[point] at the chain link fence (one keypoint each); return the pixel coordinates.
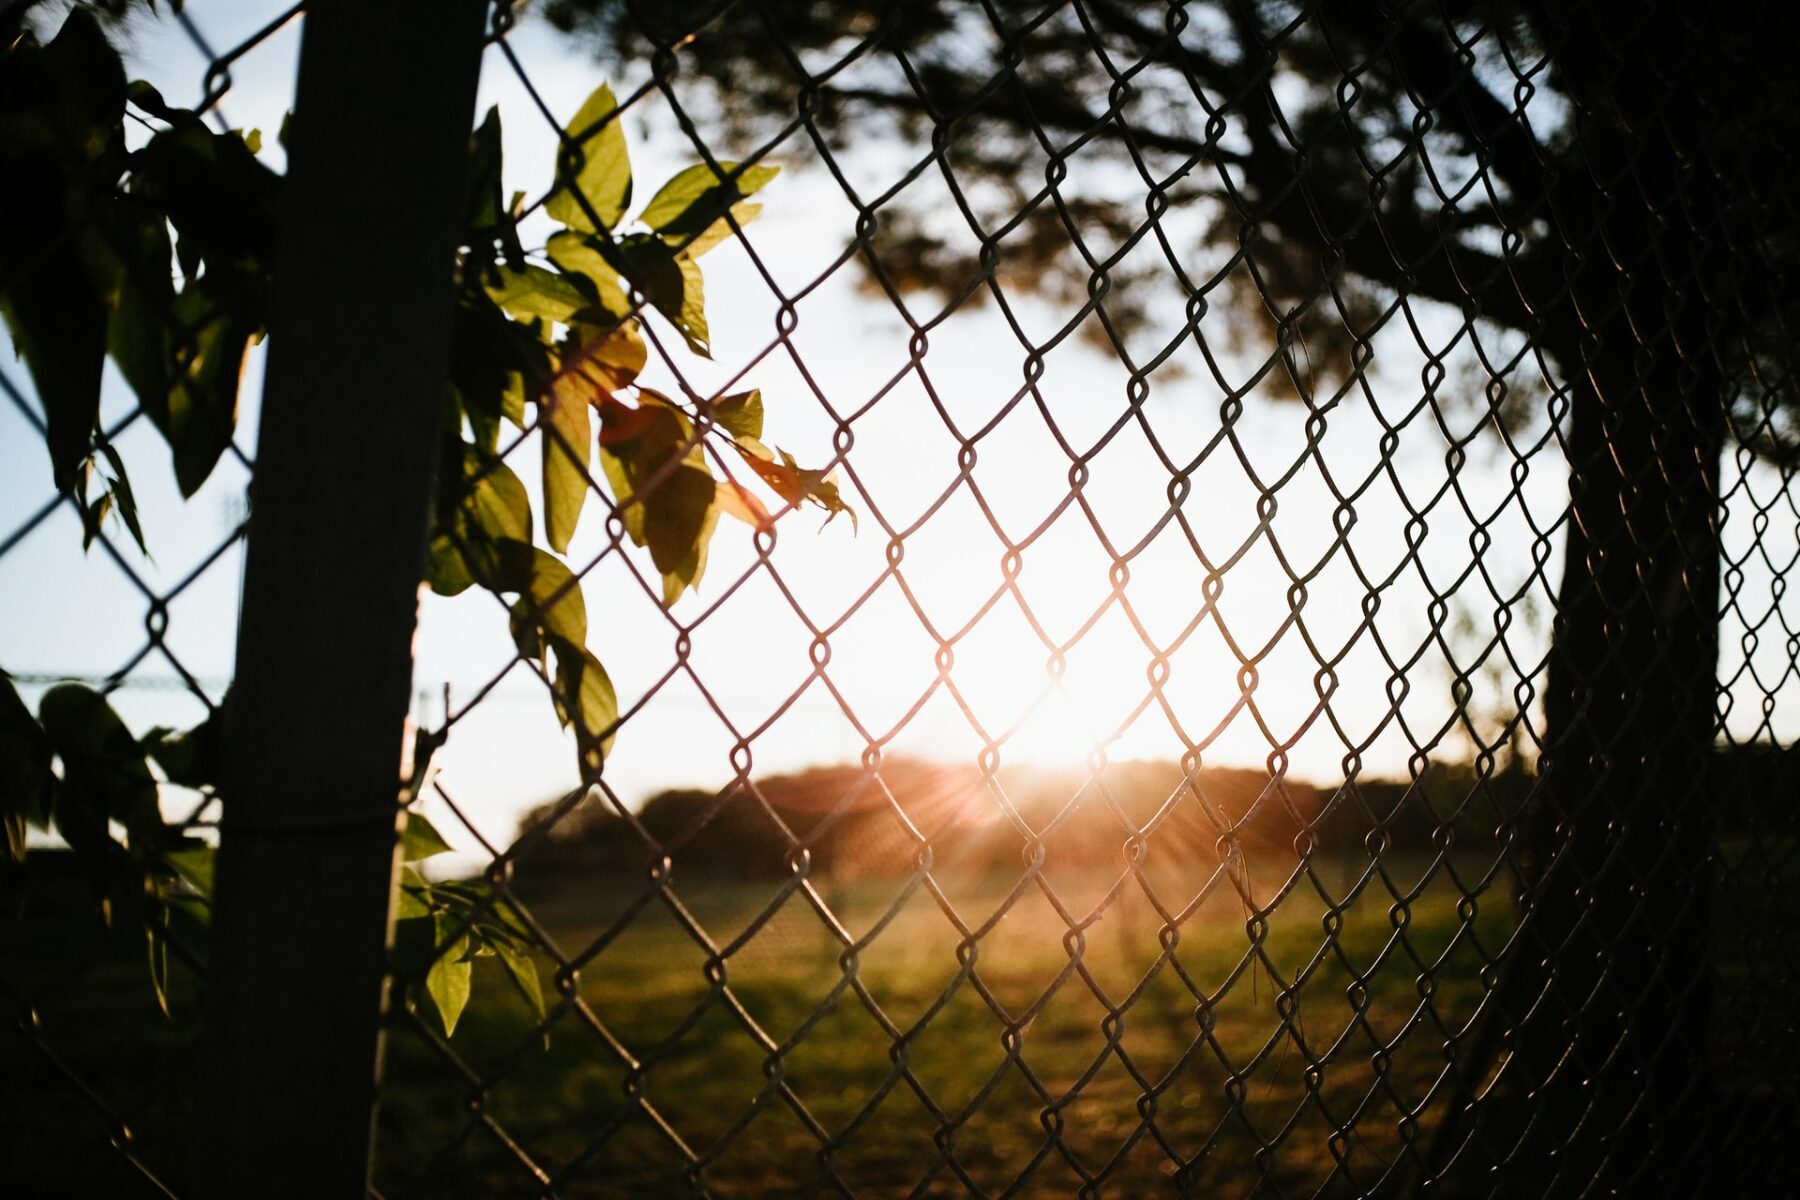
(1292, 693)
(119, 597)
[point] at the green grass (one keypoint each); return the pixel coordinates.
(1229, 1077)
(77, 991)
(1232, 1100)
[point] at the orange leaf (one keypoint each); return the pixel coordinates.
(620, 422)
(742, 503)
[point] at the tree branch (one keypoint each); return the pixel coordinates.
(1443, 81)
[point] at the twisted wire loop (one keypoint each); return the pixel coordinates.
(1440, 846)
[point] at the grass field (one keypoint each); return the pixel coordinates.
(1001, 1081)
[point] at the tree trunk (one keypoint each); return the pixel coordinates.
(1610, 1008)
(1606, 1012)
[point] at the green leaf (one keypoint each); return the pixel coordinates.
(195, 865)
(580, 254)
(670, 508)
(690, 203)
(688, 572)
(193, 758)
(472, 891)
(586, 702)
(119, 488)
(414, 900)
(635, 444)
(27, 785)
(93, 516)
(447, 982)
(490, 218)
(138, 332)
(567, 434)
(61, 155)
(519, 965)
(550, 595)
(690, 316)
(677, 509)
(671, 283)
(200, 412)
(483, 504)
(510, 927)
(446, 571)
(498, 505)
(535, 292)
(742, 213)
(610, 356)
(593, 158)
(495, 362)
(421, 839)
(219, 196)
(115, 496)
(89, 79)
(88, 263)
(58, 326)
(144, 95)
(486, 208)
(103, 766)
(740, 414)
(512, 401)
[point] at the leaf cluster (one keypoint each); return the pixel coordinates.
(158, 257)
(444, 927)
(104, 803)
(158, 253)
(554, 342)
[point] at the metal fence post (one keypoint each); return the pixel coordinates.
(350, 427)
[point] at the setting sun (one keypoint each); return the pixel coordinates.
(923, 598)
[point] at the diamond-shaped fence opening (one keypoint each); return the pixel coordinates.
(1090, 599)
(120, 554)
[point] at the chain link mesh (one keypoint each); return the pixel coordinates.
(1188, 978)
(1239, 787)
(93, 1064)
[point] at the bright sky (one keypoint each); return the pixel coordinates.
(66, 613)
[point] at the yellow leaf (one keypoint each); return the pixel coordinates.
(567, 433)
(597, 139)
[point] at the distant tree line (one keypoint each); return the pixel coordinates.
(756, 831)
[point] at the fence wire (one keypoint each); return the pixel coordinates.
(99, 1084)
(1321, 992)
(1310, 682)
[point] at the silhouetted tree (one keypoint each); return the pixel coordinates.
(1609, 180)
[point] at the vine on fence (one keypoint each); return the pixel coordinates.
(158, 253)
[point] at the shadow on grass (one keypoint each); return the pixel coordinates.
(1034, 1061)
